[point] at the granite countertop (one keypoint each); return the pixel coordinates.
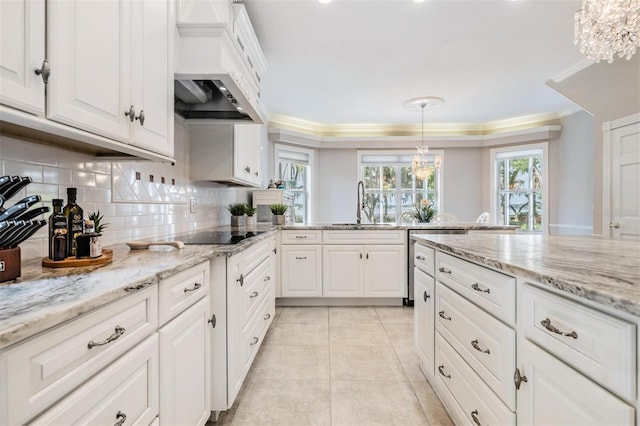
(602, 270)
(382, 226)
(42, 297)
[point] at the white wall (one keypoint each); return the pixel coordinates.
(463, 183)
(571, 178)
(337, 181)
(150, 209)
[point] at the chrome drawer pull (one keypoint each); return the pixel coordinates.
(420, 257)
(426, 296)
(121, 417)
(255, 340)
(474, 416)
(443, 316)
(301, 237)
(546, 323)
(266, 317)
(445, 270)
(301, 257)
(476, 287)
(441, 370)
(254, 294)
(267, 278)
(518, 379)
(475, 345)
(119, 331)
(194, 288)
(241, 280)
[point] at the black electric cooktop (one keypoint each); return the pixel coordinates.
(217, 237)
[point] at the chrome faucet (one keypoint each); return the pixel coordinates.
(360, 202)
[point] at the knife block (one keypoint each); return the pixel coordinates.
(9, 264)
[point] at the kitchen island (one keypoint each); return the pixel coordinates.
(529, 329)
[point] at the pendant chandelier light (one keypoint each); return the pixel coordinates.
(420, 166)
(604, 28)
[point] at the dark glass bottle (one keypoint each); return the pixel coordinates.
(57, 232)
(75, 222)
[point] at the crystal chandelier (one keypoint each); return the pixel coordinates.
(420, 166)
(605, 28)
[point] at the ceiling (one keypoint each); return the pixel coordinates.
(358, 61)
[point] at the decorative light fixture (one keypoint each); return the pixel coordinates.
(605, 28)
(420, 166)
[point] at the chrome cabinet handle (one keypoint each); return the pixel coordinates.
(241, 280)
(266, 317)
(425, 296)
(194, 288)
(441, 371)
(247, 169)
(256, 173)
(518, 379)
(140, 117)
(212, 321)
(275, 250)
(367, 256)
(445, 270)
(615, 225)
(267, 278)
(119, 331)
(474, 416)
(254, 294)
(131, 113)
(44, 71)
(546, 323)
(476, 287)
(255, 340)
(301, 257)
(420, 257)
(443, 316)
(301, 237)
(121, 417)
(477, 347)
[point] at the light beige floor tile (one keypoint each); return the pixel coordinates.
(395, 314)
(303, 315)
(292, 363)
(365, 363)
(435, 412)
(365, 315)
(285, 402)
(355, 335)
(374, 403)
(400, 334)
(304, 334)
(410, 362)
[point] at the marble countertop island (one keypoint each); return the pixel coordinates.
(465, 226)
(602, 270)
(42, 297)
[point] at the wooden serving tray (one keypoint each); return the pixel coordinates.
(72, 262)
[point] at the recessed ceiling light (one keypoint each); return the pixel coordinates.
(224, 89)
(324, 1)
(418, 1)
(239, 108)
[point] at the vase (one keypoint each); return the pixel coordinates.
(277, 219)
(238, 221)
(251, 221)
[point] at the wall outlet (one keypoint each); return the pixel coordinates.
(193, 205)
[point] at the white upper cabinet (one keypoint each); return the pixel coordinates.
(21, 53)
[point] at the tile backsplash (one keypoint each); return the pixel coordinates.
(133, 208)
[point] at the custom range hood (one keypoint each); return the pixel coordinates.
(219, 64)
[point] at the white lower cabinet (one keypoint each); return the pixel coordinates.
(301, 270)
(184, 367)
(555, 394)
(126, 392)
(424, 311)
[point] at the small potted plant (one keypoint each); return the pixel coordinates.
(238, 219)
(95, 242)
(250, 212)
(425, 212)
(278, 211)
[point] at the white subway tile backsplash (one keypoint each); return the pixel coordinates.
(34, 171)
(83, 178)
(56, 175)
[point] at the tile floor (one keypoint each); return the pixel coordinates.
(337, 366)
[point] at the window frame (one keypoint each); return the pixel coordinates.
(494, 181)
(398, 190)
(310, 193)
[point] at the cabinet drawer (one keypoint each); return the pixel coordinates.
(254, 289)
(127, 389)
(389, 236)
(491, 290)
(182, 290)
(488, 345)
(46, 368)
(603, 347)
(255, 254)
(466, 392)
(424, 258)
(253, 333)
(311, 236)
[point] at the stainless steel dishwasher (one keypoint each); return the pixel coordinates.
(410, 255)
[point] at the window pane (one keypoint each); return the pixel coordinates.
(519, 210)
(372, 206)
(501, 171)
(406, 181)
(537, 173)
(388, 178)
(409, 200)
(519, 174)
(371, 177)
(537, 211)
(388, 207)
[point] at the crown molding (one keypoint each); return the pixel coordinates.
(586, 62)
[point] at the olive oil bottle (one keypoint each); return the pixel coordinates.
(57, 232)
(75, 220)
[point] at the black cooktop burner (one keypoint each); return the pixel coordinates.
(217, 237)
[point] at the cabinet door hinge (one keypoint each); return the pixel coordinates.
(212, 321)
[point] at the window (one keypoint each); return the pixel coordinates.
(293, 167)
(390, 187)
(519, 187)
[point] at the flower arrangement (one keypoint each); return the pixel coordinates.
(424, 212)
